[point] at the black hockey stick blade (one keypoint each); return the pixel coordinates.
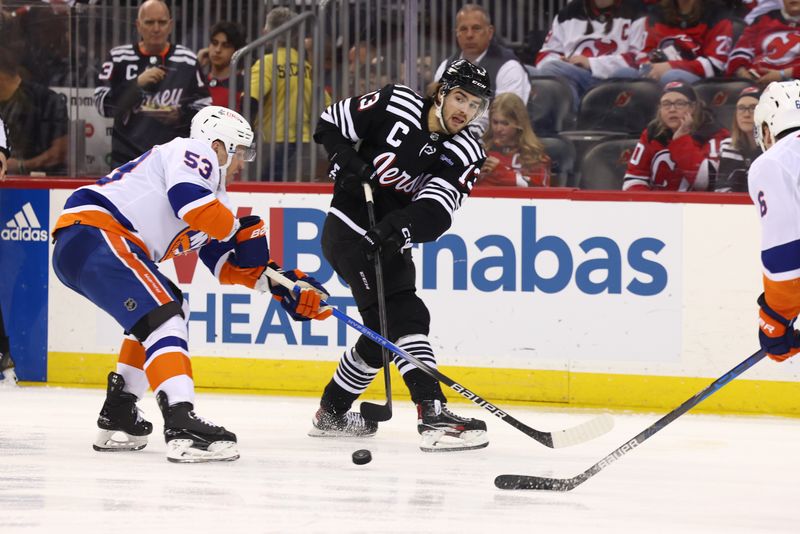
(537, 483)
(566, 484)
(376, 412)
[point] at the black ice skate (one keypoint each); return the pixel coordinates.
(121, 426)
(442, 430)
(347, 425)
(192, 439)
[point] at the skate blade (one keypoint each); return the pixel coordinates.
(9, 379)
(181, 451)
(439, 441)
(117, 440)
(320, 433)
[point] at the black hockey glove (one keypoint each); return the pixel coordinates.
(352, 171)
(390, 235)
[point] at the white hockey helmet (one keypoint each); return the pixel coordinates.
(216, 123)
(779, 108)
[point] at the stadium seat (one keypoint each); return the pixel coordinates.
(604, 166)
(550, 105)
(562, 154)
(720, 94)
(739, 24)
(621, 105)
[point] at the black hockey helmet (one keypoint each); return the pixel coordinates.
(467, 76)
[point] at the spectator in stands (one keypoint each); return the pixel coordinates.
(281, 89)
(152, 88)
(740, 149)
(215, 60)
(756, 8)
(686, 40)
(476, 43)
(767, 51)
(672, 148)
(36, 118)
(592, 40)
(366, 68)
(514, 154)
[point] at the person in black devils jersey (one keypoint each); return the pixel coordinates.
(152, 88)
(422, 163)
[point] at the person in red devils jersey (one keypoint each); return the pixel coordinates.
(226, 38)
(108, 239)
(422, 163)
(686, 40)
(515, 156)
(672, 148)
(590, 41)
(769, 49)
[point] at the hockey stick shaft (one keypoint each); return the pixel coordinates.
(566, 484)
(370, 410)
(562, 438)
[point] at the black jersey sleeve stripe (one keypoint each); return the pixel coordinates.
(408, 106)
(472, 149)
(407, 92)
(455, 149)
(404, 115)
(100, 94)
(442, 192)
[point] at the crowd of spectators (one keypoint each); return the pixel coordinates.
(152, 88)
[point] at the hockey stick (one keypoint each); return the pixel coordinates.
(566, 484)
(561, 438)
(371, 410)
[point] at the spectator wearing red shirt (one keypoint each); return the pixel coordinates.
(686, 40)
(769, 49)
(215, 60)
(672, 148)
(515, 156)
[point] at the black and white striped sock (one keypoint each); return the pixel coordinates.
(353, 374)
(417, 345)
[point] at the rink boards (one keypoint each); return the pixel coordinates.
(604, 299)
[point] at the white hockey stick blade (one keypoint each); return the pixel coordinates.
(583, 432)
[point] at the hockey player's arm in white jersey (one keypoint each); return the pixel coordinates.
(773, 187)
(193, 187)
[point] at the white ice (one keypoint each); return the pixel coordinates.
(700, 474)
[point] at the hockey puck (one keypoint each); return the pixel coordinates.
(362, 456)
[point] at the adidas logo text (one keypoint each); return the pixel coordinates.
(24, 226)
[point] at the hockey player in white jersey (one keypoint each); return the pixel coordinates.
(110, 236)
(773, 182)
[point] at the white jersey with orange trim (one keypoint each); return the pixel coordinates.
(168, 201)
(773, 182)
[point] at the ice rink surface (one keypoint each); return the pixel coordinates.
(700, 474)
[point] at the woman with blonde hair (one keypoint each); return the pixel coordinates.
(515, 155)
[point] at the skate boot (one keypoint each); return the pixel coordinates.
(347, 425)
(7, 375)
(192, 439)
(121, 426)
(442, 430)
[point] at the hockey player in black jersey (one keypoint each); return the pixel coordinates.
(421, 162)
